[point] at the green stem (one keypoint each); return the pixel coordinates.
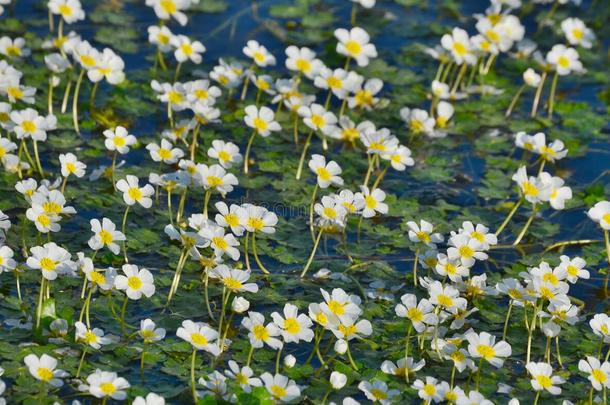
(313, 253)
(248, 148)
(123, 230)
(303, 154)
(79, 81)
(256, 258)
(193, 387)
(82, 361)
(509, 217)
(526, 226)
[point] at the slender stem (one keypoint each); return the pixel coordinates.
(459, 78)
(277, 359)
(246, 254)
(513, 103)
(303, 154)
(79, 81)
(193, 388)
(82, 361)
(379, 178)
(181, 205)
(247, 155)
(510, 308)
(40, 302)
(313, 253)
(225, 298)
(50, 96)
(537, 397)
(64, 102)
(176, 279)
(206, 201)
(538, 94)
(558, 351)
(407, 345)
(113, 170)
(194, 142)
(206, 284)
(415, 262)
(250, 355)
(170, 213)
(63, 185)
(295, 130)
(123, 310)
(509, 217)
(18, 282)
(123, 230)
(37, 157)
(92, 95)
(353, 15)
(526, 226)
(478, 379)
(349, 356)
(311, 204)
(177, 74)
(552, 95)
(369, 170)
(256, 258)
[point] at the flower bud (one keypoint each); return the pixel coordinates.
(289, 361)
(340, 346)
(240, 305)
(338, 380)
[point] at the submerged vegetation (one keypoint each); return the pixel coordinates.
(304, 201)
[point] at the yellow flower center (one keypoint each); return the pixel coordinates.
(97, 278)
(379, 394)
(486, 351)
(44, 220)
(478, 236)
(262, 84)
(493, 35)
(544, 381)
(572, 270)
(577, 34)
(241, 379)
(48, 264)
(232, 283)
(444, 300)
(599, 375)
(450, 268)
(460, 49)
(13, 50)
(563, 62)
(220, 243)
(224, 156)
(174, 97)
(303, 65)
(350, 134)
(108, 388)
(198, 339)
(87, 60)
(330, 213)
(105, 237)
(260, 332)
(292, 326)
(278, 392)
(187, 49)
(44, 374)
(318, 120)
(15, 92)
(168, 6)
(256, 223)
(65, 10)
(165, 153)
(260, 124)
(363, 97)
(466, 251)
(324, 174)
(51, 207)
(321, 318)
(550, 278)
(259, 57)
(334, 83)
(336, 307)
(214, 181)
(28, 126)
(530, 189)
(353, 47)
(135, 193)
(415, 314)
(90, 337)
(423, 236)
(606, 218)
(70, 167)
(134, 282)
(348, 330)
(119, 141)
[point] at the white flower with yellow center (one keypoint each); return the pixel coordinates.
(228, 217)
(350, 328)
(259, 54)
(348, 200)
(532, 188)
(365, 4)
(225, 76)
(136, 282)
(199, 92)
(45, 222)
(106, 384)
(338, 81)
(600, 213)
(572, 269)
(215, 177)
(261, 120)
(172, 94)
(331, 212)
(424, 233)
(559, 193)
(479, 232)
(91, 337)
(227, 153)
(577, 33)
(102, 278)
(13, 48)
(149, 332)
(565, 60)
(459, 45)
(7, 263)
(303, 61)
(318, 118)
(70, 165)
(399, 158)
(44, 369)
(378, 391)
(133, 193)
(453, 269)
(466, 249)
(257, 219)
(429, 390)
(243, 376)
(185, 49)
(166, 9)
(532, 78)
(484, 346)
(371, 201)
(29, 124)
(118, 139)
(327, 173)
(51, 260)
(150, 399)
(341, 305)
(418, 120)
(600, 324)
(495, 34)
(446, 297)
(444, 112)
(261, 334)
(109, 66)
(86, 55)
(70, 10)
(355, 44)
(543, 378)
(222, 243)
(234, 280)
(280, 387)
(402, 366)
(294, 327)
(165, 152)
(200, 335)
(105, 235)
(6, 147)
(378, 141)
(598, 373)
(161, 37)
(419, 314)
(365, 94)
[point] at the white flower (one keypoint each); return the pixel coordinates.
(29, 124)
(239, 305)
(262, 120)
(259, 334)
(479, 232)
(402, 366)
(420, 314)
(106, 384)
(303, 60)
(473, 398)
(399, 158)
(151, 399)
(7, 263)
(364, 94)
(377, 391)
(484, 346)
(136, 282)
(71, 165)
(327, 173)
(257, 219)
(532, 188)
(355, 44)
(338, 303)
(165, 153)
(543, 378)
(119, 140)
(133, 193)
(294, 327)
(289, 361)
(600, 213)
(149, 332)
(259, 54)
(444, 112)
(318, 118)
(187, 49)
(337, 380)
(418, 120)
(280, 387)
(215, 177)
(598, 374)
(339, 81)
(564, 60)
(460, 46)
(109, 66)
(228, 217)
(349, 328)
(165, 9)
(454, 269)
(160, 36)
(44, 369)
(50, 259)
(92, 337)
(600, 324)
(466, 249)
(577, 33)
(233, 279)
(372, 201)
(242, 376)
(105, 234)
(558, 192)
(446, 297)
(572, 269)
(424, 233)
(200, 335)
(13, 48)
(70, 10)
(227, 153)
